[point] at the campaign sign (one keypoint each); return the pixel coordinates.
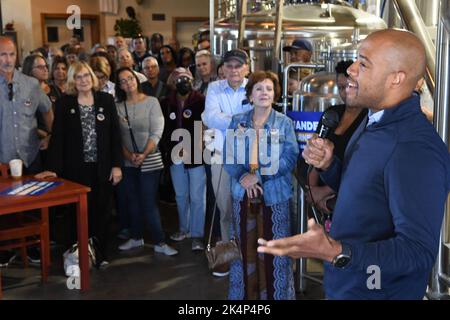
(305, 124)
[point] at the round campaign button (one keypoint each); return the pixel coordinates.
(100, 117)
(172, 116)
(187, 113)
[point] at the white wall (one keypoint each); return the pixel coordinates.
(19, 11)
(171, 8)
(64, 33)
(27, 16)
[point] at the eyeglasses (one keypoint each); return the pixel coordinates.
(126, 80)
(10, 91)
(80, 77)
(42, 67)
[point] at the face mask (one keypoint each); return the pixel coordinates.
(184, 86)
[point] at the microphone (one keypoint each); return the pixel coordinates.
(330, 121)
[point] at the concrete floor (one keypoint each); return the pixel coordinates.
(136, 274)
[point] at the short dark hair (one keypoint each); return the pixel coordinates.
(121, 95)
(259, 76)
(204, 35)
(342, 66)
(57, 60)
(157, 36)
(71, 50)
(181, 54)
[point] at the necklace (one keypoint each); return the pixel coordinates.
(86, 108)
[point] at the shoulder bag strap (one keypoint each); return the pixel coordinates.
(208, 247)
(133, 141)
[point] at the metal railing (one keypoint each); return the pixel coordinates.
(440, 281)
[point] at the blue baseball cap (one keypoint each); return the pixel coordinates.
(299, 44)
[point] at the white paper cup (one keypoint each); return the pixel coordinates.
(16, 166)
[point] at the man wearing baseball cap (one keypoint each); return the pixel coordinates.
(300, 51)
(224, 99)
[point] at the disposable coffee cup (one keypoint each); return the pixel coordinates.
(16, 166)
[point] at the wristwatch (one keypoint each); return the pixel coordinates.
(343, 259)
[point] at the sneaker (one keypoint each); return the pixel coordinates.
(197, 245)
(130, 244)
(166, 249)
(6, 257)
(34, 255)
(179, 236)
(124, 234)
(103, 264)
(221, 271)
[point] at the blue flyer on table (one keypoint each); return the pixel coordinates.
(31, 188)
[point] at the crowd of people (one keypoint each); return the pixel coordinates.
(130, 121)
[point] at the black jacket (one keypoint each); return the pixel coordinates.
(65, 153)
(191, 115)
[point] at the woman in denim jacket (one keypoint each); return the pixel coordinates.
(261, 188)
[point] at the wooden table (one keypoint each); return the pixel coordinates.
(65, 193)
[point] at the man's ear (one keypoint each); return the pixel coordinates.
(397, 79)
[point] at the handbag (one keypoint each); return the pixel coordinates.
(224, 252)
(71, 261)
(154, 160)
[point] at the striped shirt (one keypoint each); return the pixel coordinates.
(147, 122)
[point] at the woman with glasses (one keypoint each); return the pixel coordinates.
(36, 66)
(86, 148)
(141, 127)
(102, 70)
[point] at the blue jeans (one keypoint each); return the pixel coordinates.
(190, 194)
(140, 190)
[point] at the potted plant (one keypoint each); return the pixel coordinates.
(128, 28)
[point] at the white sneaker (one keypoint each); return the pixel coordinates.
(166, 249)
(130, 244)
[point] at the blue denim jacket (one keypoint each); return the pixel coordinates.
(279, 134)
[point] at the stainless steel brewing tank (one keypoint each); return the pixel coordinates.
(329, 26)
(317, 92)
(343, 52)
